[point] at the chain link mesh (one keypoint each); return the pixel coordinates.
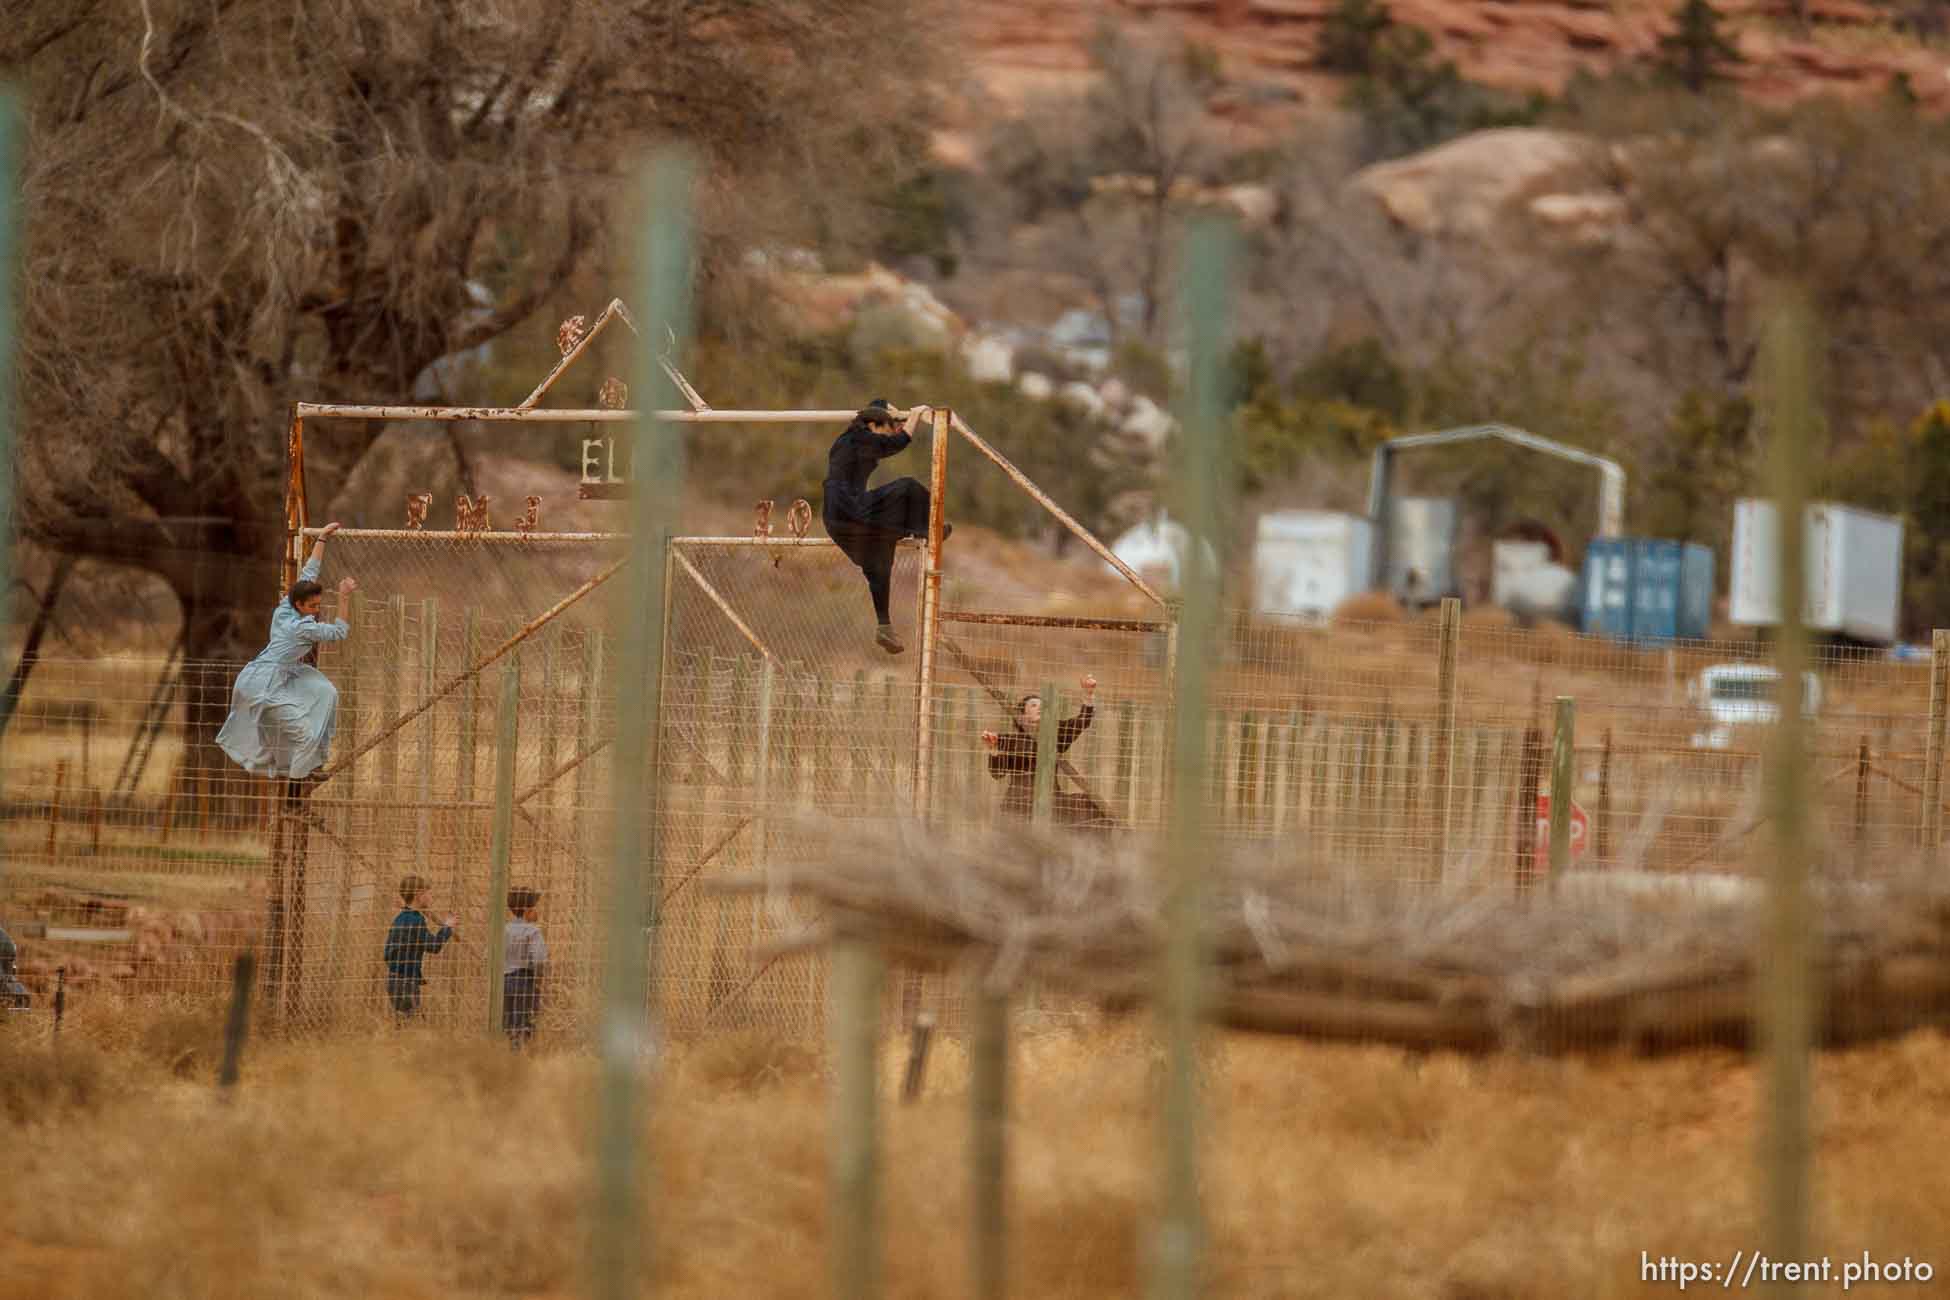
(140, 862)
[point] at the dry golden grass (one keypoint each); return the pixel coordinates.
(411, 1165)
(1369, 607)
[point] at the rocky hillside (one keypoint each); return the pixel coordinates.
(1269, 47)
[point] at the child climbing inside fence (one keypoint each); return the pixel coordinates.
(1013, 756)
(868, 525)
(410, 941)
(282, 709)
(523, 963)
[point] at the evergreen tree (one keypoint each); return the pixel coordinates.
(1926, 543)
(1351, 34)
(1696, 53)
(1697, 469)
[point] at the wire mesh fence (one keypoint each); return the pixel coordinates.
(141, 861)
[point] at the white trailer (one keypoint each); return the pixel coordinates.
(1309, 561)
(1854, 562)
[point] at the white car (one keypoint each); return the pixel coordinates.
(1743, 695)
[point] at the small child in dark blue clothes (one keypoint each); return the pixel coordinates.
(408, 942)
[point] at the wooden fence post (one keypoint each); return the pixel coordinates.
(891, 729)
(824, 772)
(1045, 785)
(1563, 754)
(237, 1024)
(588, 728)
(542, 828)
(920, 1041)
(762, 761)
(857, 738)
(1216, 780)
(937, 762)
(393, 666)
(202, 804)
(352, 696)
(1932, 834)
(470, 708)
(1530, 771)
(1862, 791)
(1601, 832)
(429, 681)
(54, 810)
(467, 745)
(506, 735)
(1442, 754)
(1251, 765)
(1281, 740)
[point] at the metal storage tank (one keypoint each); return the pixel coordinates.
(1648, 590)
(1421, 549)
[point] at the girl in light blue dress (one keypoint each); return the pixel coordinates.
(282, 710)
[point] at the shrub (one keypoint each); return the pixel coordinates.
(39, 1080)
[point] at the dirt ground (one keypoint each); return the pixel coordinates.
(416, 1166)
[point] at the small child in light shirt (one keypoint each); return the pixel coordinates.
(524, 960)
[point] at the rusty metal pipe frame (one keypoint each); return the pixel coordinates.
(538, 415)
(563, 770)
(499, 537)
(931, 616)
(768, 542)
(1079, 624)
(504, 538)
(453, 683)
(574, 354)
(294, 500)
(724, 606)
(1042, 499)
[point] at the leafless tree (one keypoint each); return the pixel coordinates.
(1335, 265)
(1099, 181)
(1719, 205)
(234, 205)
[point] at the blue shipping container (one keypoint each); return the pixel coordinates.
(1645, 590)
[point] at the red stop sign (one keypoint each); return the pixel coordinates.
(1580, 831)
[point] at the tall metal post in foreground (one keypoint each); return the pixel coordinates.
(1786, 990)
(988, 1149)
(1204, 466)
(9, 231)
(855, 973)
(618, 1243)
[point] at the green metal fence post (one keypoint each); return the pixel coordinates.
(1203, 467)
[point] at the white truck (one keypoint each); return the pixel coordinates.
(1854, 562)
(1735, 697)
